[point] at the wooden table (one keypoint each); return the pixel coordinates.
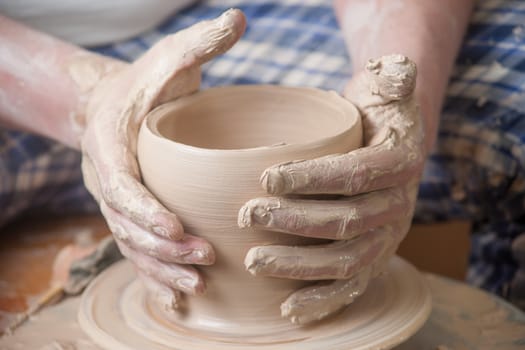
(27, 252)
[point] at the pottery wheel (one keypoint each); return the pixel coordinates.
(115, 313)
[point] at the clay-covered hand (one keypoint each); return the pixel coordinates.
(375, 188)
(146, 232)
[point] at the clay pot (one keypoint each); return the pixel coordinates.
(202, 157)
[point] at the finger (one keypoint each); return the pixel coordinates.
(392, 132)
(170, 68)
(111, 174)
(337, 260)
(331, 219)
(188, 250)
(383, 92)
(166, 297)
(165, 72)
(125, 194)
(207, 39)
(180, 277)
(386, 79)
(367, 169)
(317, 302)
(132, 199)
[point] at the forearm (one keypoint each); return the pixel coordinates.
(427, 31)
(45, 82)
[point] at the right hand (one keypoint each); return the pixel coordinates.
(375, 187)
(146, 232)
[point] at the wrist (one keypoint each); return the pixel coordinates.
(46, 82)
(428, 32)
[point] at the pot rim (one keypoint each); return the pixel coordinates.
(347, 108)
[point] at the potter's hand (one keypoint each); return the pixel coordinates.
(146, 232)
(377, 187)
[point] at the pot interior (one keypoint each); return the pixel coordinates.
(244, 117)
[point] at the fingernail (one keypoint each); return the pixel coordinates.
(244, 218)
(272, 181)
(228, 15)
(175, 233)
(257, 261)
(257, 212)
(263, 215)
(160, 231)
(250, 261)
(201, 257)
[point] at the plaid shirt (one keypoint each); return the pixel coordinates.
(476, 171)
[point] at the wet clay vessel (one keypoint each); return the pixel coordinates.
(202, 156)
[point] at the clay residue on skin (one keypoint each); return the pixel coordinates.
(86, 71)
(341, 219)
(389, 79)
(351, 263)
(376, 184)
(184, 278)
(316, 302)
(342, 259)
(117, 105)
(394, 128)
(257, 208)
(115, 111)
(35, 67)
(393, 76)
(32, 73)
(188, 250)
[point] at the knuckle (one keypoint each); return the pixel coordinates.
(349, 223)
(120, 233)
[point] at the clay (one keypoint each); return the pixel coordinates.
(117, 314)
(462, 318)
(202, 157)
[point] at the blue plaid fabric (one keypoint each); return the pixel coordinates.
(476, 171)
(39, 176)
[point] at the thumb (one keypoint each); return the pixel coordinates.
(386, 79)
(171, 68)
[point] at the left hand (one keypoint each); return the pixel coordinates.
(377, 185)
(146, 232)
